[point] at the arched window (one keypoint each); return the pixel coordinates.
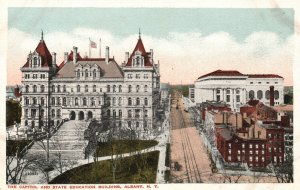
(108, 100)
(42, 101)
(137, 101)
(35, 62)
(129, 124)
(58, 113)
(120, 113)
(120, 88)
(86, 88)
(53, 113)
(251, 94)
(120, 101)
(78, 88)
(108, 88)
(84, 102)
(137, 124)
(42, 112)
(129, 102)
(78, 73)
(26, 88)
(114, 88)
(64, 101)
(86, 73)
(129, 88)
(64, 88)
(114, 101)
(138, 62)
(53, 101)
(76, 101)
(53, 88)
(137, 88)
(42, 88)
(58, 100)
(34, 88)
(259, 94)
(94, 73)
(108, 113)
(114, 114)
(146, 101)
(129, 114)
(146, 88)
(146, 113)
(58, 88)
(94, 88)
(267, 94)
(26, 112)
(92, 101)
(276, 94)
(26, 100)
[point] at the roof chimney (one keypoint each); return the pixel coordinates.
(66, 57)
(126, 57)
(53, 58)
(74, 54)
(107, 55)
(271, 95)
(151, 56)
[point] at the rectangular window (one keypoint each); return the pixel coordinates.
(229, 145)
(250, 152)
(250, 145)
(218, 98)
(256, 145)
(145, 76)
(227, 98)
(270, 150)
(229, 158)
(238, 98)
(256, 152)
(263, 159)
(256, 158)
(250, 158)
(262, 152)
(137, 76)
(229, 151)
(239, 158)
(239, 152)
(251, 82)
(243, 145)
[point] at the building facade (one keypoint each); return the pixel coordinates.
(83, 88)
(236, 88)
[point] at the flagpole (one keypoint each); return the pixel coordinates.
(100, 47)
(89, 48)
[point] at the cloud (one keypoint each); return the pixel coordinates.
(183, 56)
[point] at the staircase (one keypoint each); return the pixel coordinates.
(68, 142)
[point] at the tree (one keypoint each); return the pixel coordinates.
(13, 112)
(284, 171)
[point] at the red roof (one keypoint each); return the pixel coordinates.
(237, 73)
(70, 58)
(43, 51)
(263, 76)
(223, 73)
(140, 47)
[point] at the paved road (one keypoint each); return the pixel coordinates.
(189, 160)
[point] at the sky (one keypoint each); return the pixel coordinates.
(188, 42)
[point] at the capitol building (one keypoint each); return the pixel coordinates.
(85, 88)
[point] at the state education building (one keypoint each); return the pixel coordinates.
(85, 88)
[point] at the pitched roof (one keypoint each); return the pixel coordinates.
(237, 73)
(110, 70)
(140, 47)
(43, 51)
(70, 58)
(263, 76)
(222, 73)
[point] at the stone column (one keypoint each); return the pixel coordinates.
(213, 94)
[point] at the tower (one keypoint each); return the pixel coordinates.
(38, 70)
(141, 79)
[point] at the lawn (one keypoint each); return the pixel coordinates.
(140, 168)
(13, 145)
(123, 146)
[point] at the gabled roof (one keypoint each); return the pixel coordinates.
(140, 47)
(43, 51)
(222, 73)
